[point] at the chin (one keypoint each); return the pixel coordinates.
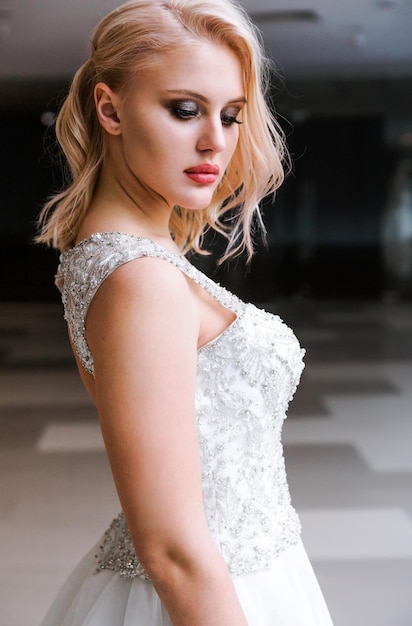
(197, 204)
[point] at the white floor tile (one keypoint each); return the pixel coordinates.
(379, 427)
(349, 472)
(69, 437)
(376, 593)
(357, 534)
(42, 388)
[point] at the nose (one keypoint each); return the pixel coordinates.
(212, 136)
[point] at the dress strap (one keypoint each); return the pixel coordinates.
(83, 269)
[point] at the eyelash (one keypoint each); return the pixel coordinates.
(228, 120)
(186, 114)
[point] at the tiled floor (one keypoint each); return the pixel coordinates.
(348, 447)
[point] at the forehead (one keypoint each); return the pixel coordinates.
(199, 66)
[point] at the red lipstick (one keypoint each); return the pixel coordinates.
(205, 174)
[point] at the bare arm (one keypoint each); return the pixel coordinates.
(142, 328)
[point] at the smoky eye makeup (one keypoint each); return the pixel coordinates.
(230, 116)
(189, 109)
(183, 109)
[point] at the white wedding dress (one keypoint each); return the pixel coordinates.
(245, 380)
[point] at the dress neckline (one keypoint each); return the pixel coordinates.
(104, 233)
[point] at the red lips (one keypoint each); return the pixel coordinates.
(205, 174)
(205, 168)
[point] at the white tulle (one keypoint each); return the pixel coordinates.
(286, 595)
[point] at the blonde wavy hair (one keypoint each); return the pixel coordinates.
(135, 36)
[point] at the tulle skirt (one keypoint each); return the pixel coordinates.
(286, 595)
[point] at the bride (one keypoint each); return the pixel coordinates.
(167, 134)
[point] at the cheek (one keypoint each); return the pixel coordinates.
(146, 147)
(232, 143)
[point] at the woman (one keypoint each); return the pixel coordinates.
(165, 130)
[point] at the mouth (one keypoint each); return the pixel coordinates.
(205, 174)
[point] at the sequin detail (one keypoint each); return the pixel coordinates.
(245, 381)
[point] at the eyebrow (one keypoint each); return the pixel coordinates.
(198, 96)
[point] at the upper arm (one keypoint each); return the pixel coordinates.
(142, 328)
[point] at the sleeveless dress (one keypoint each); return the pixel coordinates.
(245, 379)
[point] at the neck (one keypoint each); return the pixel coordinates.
(121, 203)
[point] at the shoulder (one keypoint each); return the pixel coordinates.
(143, 318)
(147, 279)
(84, 268)
(145, 292)
(115, 273)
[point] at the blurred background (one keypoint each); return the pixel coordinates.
(344, 97)
(337, 266)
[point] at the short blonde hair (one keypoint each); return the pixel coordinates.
(133, 37)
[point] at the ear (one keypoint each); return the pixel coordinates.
(107, 104)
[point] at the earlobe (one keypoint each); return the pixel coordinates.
(107, 102)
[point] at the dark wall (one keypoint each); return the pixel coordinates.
(26, 179)
(323, 231)
(337, 199)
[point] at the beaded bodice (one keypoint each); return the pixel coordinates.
(245, 379)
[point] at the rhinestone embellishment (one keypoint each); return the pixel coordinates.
(246, 378)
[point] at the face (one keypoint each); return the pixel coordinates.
(179, 124)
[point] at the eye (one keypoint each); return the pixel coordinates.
(184, 110)
(228, 120)
(230, 117)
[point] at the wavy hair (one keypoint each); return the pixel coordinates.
(135, 36)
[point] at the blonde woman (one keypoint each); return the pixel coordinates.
(166, 130)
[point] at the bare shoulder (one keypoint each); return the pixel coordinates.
(145, 280)
(148, 297)
(147, 274)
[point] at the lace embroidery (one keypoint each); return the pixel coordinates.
(83, 269)
(245, 381)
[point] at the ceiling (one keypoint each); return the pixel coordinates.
(44, 41)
